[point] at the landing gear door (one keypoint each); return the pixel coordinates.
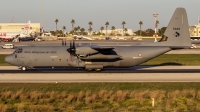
(31, 62)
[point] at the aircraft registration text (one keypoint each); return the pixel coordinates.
(41, 52)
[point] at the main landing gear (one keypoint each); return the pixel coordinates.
(97, 70)
(26, 68)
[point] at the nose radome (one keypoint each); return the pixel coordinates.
(8, 59)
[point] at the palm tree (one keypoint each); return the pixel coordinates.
(112, 28)
(75, 29)
(59, 32)
(141, 23)
(123, 23)
(125, 29)
(102, 28)
(56, 23)
(90, 28)
(72, 22)
(78, 28)
(82, 30)
(64, 28)
(107, 23)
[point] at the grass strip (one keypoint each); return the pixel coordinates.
(2, 62)
(76, 87)
(175, 59)
(100, 97)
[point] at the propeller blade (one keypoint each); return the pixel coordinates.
(65, 42)
(78, 60)
(70, 45)
(62, 43)
(73, 45)
(72, 48)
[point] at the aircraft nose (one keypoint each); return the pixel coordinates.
(8, 59)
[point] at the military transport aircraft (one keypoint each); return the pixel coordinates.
(96, 58)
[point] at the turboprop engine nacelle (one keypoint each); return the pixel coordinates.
(84, 51)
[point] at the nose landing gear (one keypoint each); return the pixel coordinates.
(24, 68)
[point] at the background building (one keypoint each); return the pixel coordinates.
(17, 27)
(195, 30)
(118, 31)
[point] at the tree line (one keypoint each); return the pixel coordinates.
(82, 31)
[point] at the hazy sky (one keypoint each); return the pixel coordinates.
(97, 11)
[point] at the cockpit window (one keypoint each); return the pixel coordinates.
(19, 50)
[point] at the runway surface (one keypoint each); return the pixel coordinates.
(12, 74)
(137, 69)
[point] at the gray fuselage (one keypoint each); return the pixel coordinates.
(58, 56)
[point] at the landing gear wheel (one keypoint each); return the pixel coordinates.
(24, 68)
(88, 70)
(97, 70)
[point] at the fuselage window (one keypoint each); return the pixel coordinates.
(15, 56)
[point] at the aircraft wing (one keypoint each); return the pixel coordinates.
(100, 57)
(105, 53)
(93, 52)
(101, 48)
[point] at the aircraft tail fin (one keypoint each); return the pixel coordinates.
(26, 28)
(177, 33)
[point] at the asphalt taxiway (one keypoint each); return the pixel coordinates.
(11, 74)
(136, 69)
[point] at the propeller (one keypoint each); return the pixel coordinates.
(72, 48)
(62, 42)
(70, 45)
(65, 42)
(73, 56)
